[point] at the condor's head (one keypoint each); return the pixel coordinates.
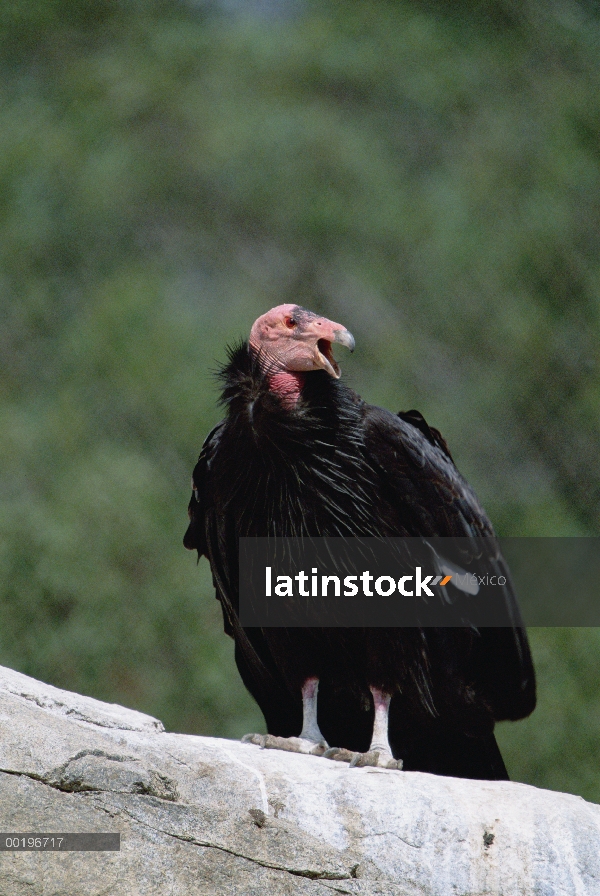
(291, 341)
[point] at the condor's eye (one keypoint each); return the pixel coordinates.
(290, 323)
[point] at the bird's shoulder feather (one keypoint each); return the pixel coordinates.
(418, 469)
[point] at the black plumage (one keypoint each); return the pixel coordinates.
(334, 465)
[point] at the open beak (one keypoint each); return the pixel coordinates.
(323, 352)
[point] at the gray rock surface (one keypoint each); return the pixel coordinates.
(204, 816)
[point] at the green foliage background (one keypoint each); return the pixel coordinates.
(425, 172)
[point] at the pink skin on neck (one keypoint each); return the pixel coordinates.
(287, 384)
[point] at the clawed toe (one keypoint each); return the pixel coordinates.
(375, 759)
(339, 754)
(258, 739)
(289, 744)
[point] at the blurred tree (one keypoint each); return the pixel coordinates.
(428, 173)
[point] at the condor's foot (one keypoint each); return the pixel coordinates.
(291, 744)
(377, 759)
(374, 758)
(340, 754)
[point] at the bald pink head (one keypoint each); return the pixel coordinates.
(291, 339)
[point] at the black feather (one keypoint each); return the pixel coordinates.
(334, 465)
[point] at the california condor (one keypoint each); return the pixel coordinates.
(300, 454)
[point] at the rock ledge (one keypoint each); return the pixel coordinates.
(199, 815)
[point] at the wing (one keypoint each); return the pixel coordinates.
(433, 499)
(195, 536)
(205, 534)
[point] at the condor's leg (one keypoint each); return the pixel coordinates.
(310, 740)
(379, 753)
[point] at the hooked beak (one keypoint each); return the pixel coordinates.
(344, 337)
(323, 353)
